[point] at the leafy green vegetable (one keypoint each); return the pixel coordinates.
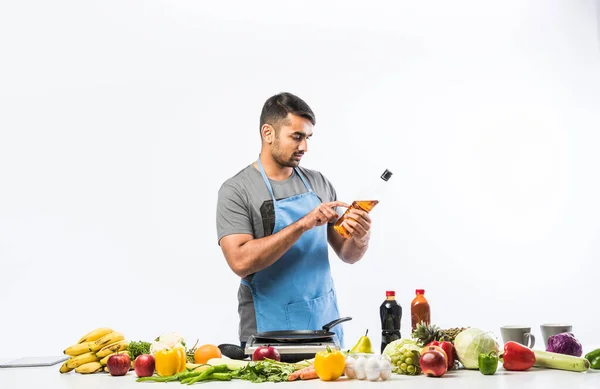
(304, 363)
(400, 345)
(472, 342)
(267, 370)
(138, 348)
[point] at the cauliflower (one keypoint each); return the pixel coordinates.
(167, 341)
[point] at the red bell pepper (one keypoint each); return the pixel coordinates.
(517, 357)
(448, 348)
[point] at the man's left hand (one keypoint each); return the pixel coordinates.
(358, 224)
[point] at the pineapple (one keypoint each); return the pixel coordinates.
(425, 333)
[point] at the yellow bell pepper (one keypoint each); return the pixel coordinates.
(329, 365)
(170, 361)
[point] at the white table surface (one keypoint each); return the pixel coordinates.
(50, 378)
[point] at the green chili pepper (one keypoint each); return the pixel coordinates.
(174, 377)
(221, 369)
(594, 358)
(221, 376)
(202, 377)
(488, 363)
(219, 372)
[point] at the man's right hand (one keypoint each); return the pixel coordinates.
(324, 213)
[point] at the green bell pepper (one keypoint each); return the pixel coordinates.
(488, 363)
(594, 358)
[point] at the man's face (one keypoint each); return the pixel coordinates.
(290, 142)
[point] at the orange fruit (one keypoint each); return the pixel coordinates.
(206, 352)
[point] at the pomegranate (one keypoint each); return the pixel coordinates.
(432, 348)
(433, 362)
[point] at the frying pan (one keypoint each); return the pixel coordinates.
(300, 335)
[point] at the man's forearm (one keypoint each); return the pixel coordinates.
(353, 250)
(258, 254)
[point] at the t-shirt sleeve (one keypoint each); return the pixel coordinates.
(332, 194)
(233, 213)
(331, 189)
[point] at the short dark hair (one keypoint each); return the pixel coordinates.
(276, 109)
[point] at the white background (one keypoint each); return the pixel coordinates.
(119, 120)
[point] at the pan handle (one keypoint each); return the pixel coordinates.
(327, 326)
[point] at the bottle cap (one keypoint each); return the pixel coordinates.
(386, 175)
(390, 293)
(420, 291)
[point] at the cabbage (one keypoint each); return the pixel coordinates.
(472, 342)
(564, 343)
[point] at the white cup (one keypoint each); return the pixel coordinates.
(551, 329)
(519, 334)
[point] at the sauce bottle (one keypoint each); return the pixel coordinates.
(391, 314)
(366, 204)
(419, 309)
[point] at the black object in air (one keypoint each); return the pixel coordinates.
(386, 175)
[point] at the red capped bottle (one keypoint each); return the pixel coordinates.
(419, 309)
(391, 314)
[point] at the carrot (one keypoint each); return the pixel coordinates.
(309, 374)
(298, 373)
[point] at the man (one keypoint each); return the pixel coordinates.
(274, 220)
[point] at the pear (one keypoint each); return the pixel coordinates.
(363, 345)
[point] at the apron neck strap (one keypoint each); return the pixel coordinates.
(304, 180)
(268, 183)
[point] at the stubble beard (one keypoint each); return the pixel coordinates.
(279, 158)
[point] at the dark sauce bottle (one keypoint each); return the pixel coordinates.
(391, 314)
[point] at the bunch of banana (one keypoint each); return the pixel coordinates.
(90, 354)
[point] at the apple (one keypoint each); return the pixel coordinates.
(144, 365)
(118, 364)
(433, 362)
(263, 352)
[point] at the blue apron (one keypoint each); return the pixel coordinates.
(297, 291)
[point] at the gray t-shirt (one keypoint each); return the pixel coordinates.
(245, 206)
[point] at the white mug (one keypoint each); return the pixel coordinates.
(551, 329)
(519, 334)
